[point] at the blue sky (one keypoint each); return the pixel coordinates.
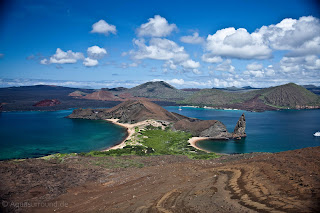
(186, 43)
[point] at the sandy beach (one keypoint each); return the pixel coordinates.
(194, 140)
(131, 130)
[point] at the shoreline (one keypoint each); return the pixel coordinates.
(194, 140)
(130, 132)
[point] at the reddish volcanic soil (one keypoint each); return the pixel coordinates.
(282, 182)
(46, 103)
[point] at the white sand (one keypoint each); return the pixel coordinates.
(194, 140)
(131, 130)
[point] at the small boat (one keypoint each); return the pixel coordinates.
(317, 134)
(180, 108)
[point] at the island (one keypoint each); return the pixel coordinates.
(136, 115)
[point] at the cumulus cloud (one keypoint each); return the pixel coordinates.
(194, 39)
(165, 50)
(62, 57)
(103, 27)
(254, 66)
(258, 71)
(240, 44)
(225, 66)
(301, 36)
(156, 27)
(96, 52)
(300, 64)
(211, 58)
(89, 62)
(159, 49)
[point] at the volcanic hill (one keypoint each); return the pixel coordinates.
(285, 96)
(159, 90)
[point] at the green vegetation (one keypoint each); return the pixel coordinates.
(289, 95)
(127, 150)
(59, 157)
(159, 90)
(158, 142)
(284, 96)
(215, 97)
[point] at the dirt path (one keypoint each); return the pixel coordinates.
(283, 182)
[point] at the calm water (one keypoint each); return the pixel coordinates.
(271, 131)
(36, 134)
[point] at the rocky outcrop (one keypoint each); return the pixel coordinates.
(47, 103)
(239, 130)
(198, 128)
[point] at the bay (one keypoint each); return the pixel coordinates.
(270, 131)
(36, 134)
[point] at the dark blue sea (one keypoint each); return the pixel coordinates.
(36, 134)
(270, 131)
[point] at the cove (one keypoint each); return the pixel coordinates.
(270, 131)
(36, 134)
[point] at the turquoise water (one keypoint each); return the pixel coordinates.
(271, 131)
(36, 134)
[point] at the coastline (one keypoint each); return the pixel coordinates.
(194, 140)
(129, 129)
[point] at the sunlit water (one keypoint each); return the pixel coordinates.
(36, 134)
(270, 131)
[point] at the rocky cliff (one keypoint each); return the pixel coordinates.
(239, 130)
(200, 128)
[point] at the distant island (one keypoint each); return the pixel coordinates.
(288, 96)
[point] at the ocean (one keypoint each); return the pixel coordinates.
(36, 134)
(270, 131)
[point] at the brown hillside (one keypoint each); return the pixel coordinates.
(101, 95)
(131, 111)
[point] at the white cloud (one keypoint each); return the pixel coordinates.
(194, 39)
(89, 62)
(255, 73)
(301, 36)
(190, 64)
(159, 49)
(225, 66)
(211, 59)
(300, 64)
(96, 52)
(233, 43)
(156, 27)
(103, 27)
(254, 66)
(61, 57)
(44, 61)
(165, 50)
